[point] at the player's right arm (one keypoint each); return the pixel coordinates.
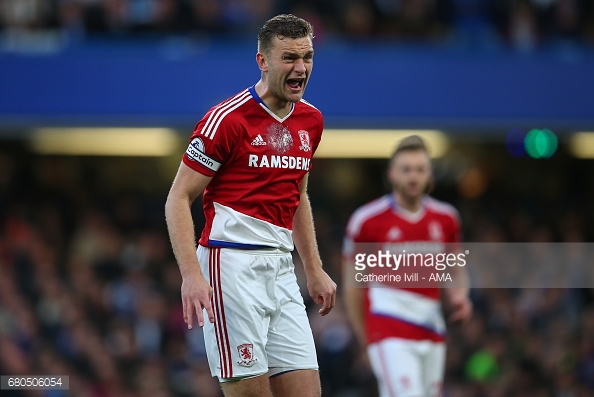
(195, 291)
(353, 302)
(352, 296)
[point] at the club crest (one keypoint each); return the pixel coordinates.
(435, 231)
(394, 234)
(246, 354)
(304, 137)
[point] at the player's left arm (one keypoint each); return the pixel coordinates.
(457, 303)
(320, 286)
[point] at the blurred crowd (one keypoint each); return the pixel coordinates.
(89, 288)
(523, 24)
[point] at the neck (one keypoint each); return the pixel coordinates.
(280, 108)
(412, 204)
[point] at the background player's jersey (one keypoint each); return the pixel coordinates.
(410, 313)
(257, 162)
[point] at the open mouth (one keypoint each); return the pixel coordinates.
(295, 84)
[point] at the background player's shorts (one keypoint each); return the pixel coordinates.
(260, 321)
(408, 368)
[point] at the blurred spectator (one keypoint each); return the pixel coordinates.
(566, 22)
(106, 16)
(207, 16)
(70, 15)
(25, 14)
(588, 22)
(524, 24)
(415, 20)
(358, 20)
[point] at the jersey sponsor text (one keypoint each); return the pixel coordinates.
(289, 162)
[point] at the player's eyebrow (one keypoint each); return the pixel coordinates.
(294, 54)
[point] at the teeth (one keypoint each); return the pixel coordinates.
(294, 83)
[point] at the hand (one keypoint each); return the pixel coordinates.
(322, 290)
(196, 295)
(459, 308)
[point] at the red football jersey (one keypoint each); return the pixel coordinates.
(410, 313)
(257, 161)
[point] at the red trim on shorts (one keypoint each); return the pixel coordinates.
(226, 334)
(215, 307)
(219, 312)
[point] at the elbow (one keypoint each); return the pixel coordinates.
(170, 204)
(175, 201)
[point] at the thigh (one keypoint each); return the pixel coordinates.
(290, 343)
(299, 383)
(434, 366)
(242, 304)
(252, 387)
(397, 365)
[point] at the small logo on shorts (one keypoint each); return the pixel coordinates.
(246, 354)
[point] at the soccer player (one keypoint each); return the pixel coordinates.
(403, 329)
(250, 156)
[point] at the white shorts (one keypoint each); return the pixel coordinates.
(260, 321)
(408, 368)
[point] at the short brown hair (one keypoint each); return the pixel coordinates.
(409, 144)
(283, 26)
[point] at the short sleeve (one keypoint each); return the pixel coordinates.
(318, 137)
(211, 144)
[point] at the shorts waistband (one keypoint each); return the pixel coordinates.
(273, 251)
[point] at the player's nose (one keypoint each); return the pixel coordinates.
(300, 66)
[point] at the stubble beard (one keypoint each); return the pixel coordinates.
(403, 192)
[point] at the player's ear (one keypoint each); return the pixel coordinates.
(431, 182)
(262, 61)
(390, 174)
(430, 185)
(391, 171)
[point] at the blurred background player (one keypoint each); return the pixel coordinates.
(250, 155)
(403, 329)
